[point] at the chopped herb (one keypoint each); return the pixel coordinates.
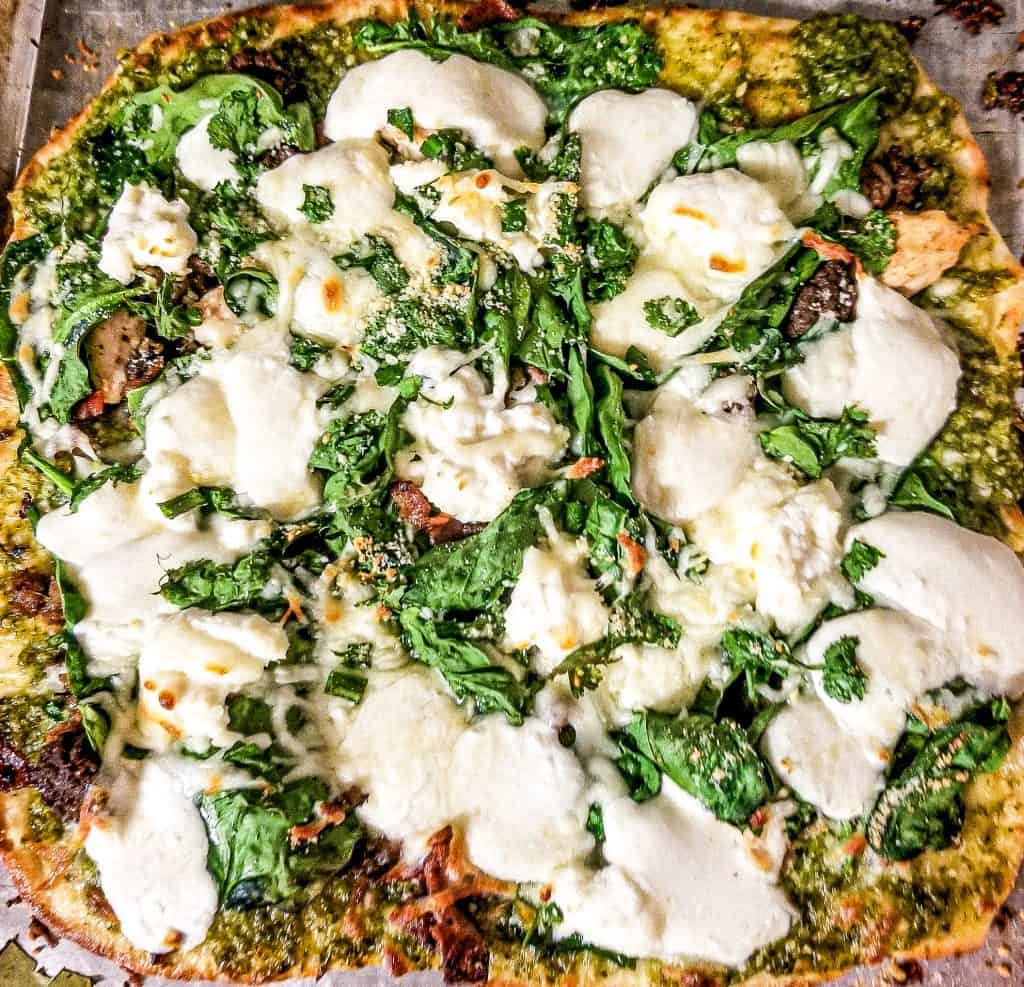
(670, 315)
(860, 560)
(317, 204)
(843, 678)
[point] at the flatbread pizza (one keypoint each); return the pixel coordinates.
(533, 496)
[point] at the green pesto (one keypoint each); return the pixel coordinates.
(43, 824)
(845, 56)
(24, 723)
(925, 129)
(318, 58)
(979, 448)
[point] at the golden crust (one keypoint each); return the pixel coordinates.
(41, 871)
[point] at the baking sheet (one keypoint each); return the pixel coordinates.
(54, 55)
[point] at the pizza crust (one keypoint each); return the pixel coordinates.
(40, 871)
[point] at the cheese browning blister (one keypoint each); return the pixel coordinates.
(505, 459)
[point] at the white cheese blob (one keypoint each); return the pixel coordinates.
(247, 420)
(145, 230)
(819, 761)
(356, 176)
(190, 663)
(787, 536)
(779, 166)
(645, 676)
(970, 587)
(473, 202)
(679, 884)
(334, 304)
(398, 748)
(498, 111)
(204, 165)
(501, 772)
(150, 848)
(717, 230)
(686, 462)
(628, 142)
(117, 552)
(472, 456)
(902, 658)
(621, 323)
(555, 606)
(892, 362)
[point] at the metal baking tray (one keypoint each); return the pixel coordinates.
(55, 54)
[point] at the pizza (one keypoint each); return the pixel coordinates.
(534, 497)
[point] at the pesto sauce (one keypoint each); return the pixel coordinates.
(24, 723)
(925, 130)
(846, 56)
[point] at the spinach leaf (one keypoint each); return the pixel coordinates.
(249, 716)
(251, 857)
(473, 574)
(629, 622)
(317, 204)
(455, 150)
(172, 320)
(563, 63)
(466, 668)
(611, 426)
(459, 264)
(53, 473)
(580, 392)
(912, 493)
(401, 118)
(230, 222)
(377, 257)
(609, 259)
(505, 311)
(688, 158)
(16, 256)
(214, 500)
(513, 216)
(670, 315)
(220, 586)
(757, 657)
(872, 239)
(713, 761)
(157, 118)
(813, 444)
(922, 807)
(843, 678)
(414, 323)
(76, 662)
(112, 474)
(860, 560)
(304, 352)
(96, 724)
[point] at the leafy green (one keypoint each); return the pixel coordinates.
(96, 724)
(872, 239)
(230, 222)
(595, 822)
(756, 656)
(459, 263)
(609, 258)
(912, 493)
(401, 118)
(345, 683)
(214, 500)
(455, 150)
(16, 256)
(611, 426)
(224, 585)
(112, 474)
(474, 573)
(713, 761)
(172, 320)
(922, 807)
(813, 444)
(513, 216)
(58, 477)
(251, 856)
(304, 352)
(563, 63)
(860, 560)
(670, 315)
(317, 204)
(629, 622)
(843, 678)
(466, 668)
(376, 256)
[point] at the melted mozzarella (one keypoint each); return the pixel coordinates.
(145, 230)
(644, 676)
(820, 762)
(501, 772)
(865, 363)
(117, 553)
(902, 657)
(247, 420)
(473, 202)
(679, 884)
(628, 142)
(190, 663)
(204, 165)
(786, 535)
(718, 230)
(686, 462)
(969, 587)
(779, 166)
(473, 456)
(555, 606)
(498, 111)
(398, 748)
(150, 848)
(621, 323)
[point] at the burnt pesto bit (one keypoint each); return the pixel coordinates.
(1004, 91)
(973, 14)
(831, 292)
(845, 56)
